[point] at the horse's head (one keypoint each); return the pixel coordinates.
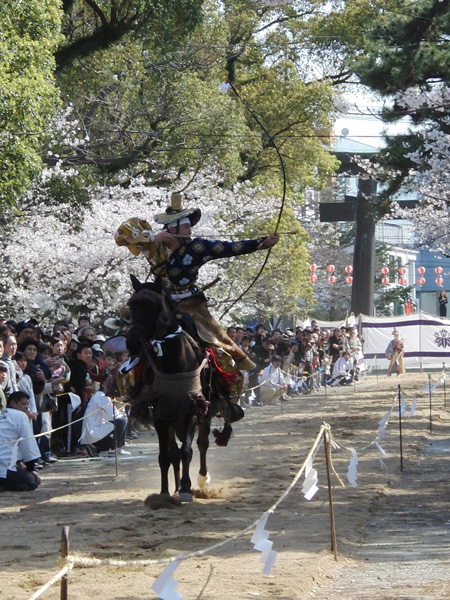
(151, 314)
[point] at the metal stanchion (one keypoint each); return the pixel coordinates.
(400, 425)
(429, 395)
(445, 390)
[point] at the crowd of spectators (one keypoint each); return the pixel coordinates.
(51, 376)
(297, 362)
(54, 385)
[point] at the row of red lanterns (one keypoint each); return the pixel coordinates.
(420, 280)
(332, 278)
(384, 271)
(438, 270)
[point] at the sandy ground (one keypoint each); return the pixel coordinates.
(393, 520)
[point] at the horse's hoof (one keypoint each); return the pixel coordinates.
(185, 497)
(203, 481)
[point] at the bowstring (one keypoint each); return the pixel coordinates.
(283, 199)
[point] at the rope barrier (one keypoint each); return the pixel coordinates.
(44, 433)
(62, 573)
(77, 559)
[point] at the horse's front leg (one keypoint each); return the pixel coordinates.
(174, 457)
(186, 457)
(204, 428)
(162, 430)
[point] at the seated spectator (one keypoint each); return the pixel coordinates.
(273, 385)
(17, 471)
(101, 417)
(342, 371)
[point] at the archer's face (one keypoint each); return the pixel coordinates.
(184, 230)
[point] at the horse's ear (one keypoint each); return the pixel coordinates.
(135, 282)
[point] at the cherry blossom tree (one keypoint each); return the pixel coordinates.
(53, 268)
(429, 169)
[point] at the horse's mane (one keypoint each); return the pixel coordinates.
(160, 300)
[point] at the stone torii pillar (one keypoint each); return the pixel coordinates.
(361, 210)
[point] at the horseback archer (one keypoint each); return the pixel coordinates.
(177, 257)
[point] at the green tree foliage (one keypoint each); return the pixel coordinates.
(407, 48)
(92, 26)
(29, 33)
(280, 284)
(150, 108)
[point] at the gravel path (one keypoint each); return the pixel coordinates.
(403, 551)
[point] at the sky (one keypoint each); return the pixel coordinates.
(362, 124)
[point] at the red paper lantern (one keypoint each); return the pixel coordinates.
(330, 268)
(313, 268)
(385, 280)
(421, 270)
(439, 281)
(421, 280)
(384, 270)
(438, 270)
(313, 278)
(402, 281)
(349, 279)
(349, 269)
(332, 279)
(401, 270)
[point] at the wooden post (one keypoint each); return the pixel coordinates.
(65, 542)
(327, 446)
(400, 425)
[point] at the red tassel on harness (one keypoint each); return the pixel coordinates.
(228, 380)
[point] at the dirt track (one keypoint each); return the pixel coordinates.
(391, 529)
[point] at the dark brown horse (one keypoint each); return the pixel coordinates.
(173, 387)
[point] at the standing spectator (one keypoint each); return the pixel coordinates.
(9, 350)
(335, 346)
(3, 379)
(443, 304)
(66, 441)
(24, 382)
(394, 353)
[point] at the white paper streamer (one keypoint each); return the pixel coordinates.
(261, 542)
(352, 473)
(165, 585)
(383, 453)
(385, 420)
(310, 489)
(413, 407)
(382, 465)
(402, 405)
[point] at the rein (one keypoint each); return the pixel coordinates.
(157, 344)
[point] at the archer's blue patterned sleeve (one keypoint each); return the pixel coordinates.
(186, 261)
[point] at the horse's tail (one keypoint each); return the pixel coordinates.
(223, 435)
